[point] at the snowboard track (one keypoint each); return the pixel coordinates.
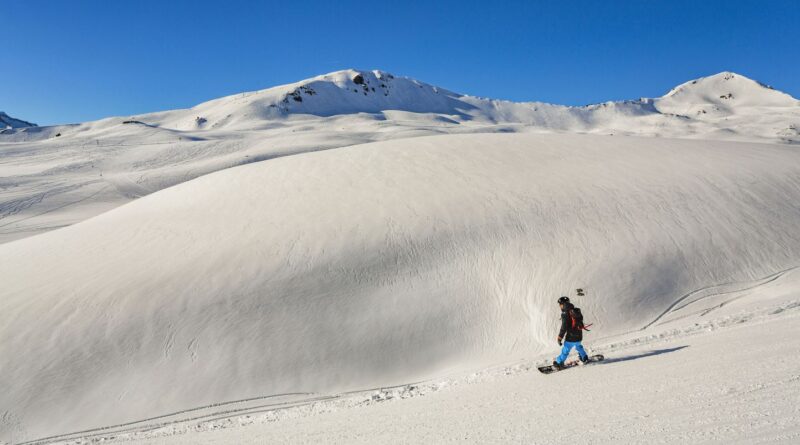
(133, 426)
(312, 400)
(731, 287)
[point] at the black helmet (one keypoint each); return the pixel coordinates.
(563, 300)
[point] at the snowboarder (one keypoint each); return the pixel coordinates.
(572, 327)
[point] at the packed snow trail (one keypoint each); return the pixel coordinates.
(375, 264)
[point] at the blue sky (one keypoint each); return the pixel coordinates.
(81, 60)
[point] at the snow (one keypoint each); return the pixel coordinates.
(362, 257)
(725, 90)
(380, 264)
(726, 386)
(56, 176)
(722, 372)
(7, 122)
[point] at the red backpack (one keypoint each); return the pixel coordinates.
(576, 320)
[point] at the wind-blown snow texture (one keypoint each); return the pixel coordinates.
(375, 263)
(56, 176)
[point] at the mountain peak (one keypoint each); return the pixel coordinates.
(7, 121)
(351, 74)
(367, 91)
(340, 92)
(725, 91)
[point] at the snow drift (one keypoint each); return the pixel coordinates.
(374, 264)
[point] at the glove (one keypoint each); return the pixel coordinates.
(559, 341)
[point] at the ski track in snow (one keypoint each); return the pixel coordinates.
(320, 404)
(300, 405)
(717, 290)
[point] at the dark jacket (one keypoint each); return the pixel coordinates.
(567, 332)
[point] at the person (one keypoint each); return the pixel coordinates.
(571, 333)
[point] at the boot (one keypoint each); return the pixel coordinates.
(558, 366)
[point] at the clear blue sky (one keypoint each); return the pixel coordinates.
(71, 61)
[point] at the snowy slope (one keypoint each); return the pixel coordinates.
(724, 372)
(8, 122)
(55, 176)
(375, 264)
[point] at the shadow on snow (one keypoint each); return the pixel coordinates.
(642, 355)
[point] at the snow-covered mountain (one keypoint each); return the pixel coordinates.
(686, 110)
(7, 122)
(725, 93)
(692, 109)
(65, 174)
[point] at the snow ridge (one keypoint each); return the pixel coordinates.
(353, 91)
(8, 122)
(690, 109)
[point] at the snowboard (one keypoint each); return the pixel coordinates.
(549, 369)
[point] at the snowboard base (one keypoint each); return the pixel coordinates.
(549, 369)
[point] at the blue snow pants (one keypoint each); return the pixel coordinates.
(568, 345)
